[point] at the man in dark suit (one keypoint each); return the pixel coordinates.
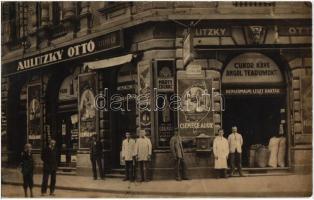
(178, 154)
(49, 157)
(95, 157)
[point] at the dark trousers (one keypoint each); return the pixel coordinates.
(235, 161)
(221, 173)
(129, 170)
(180, 168)
(143, 169)
(97, 161)
(28, 181)
(44, 184)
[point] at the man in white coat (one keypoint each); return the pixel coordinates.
(143, 152)
(221, 152)
(128, 146)
(235, 146)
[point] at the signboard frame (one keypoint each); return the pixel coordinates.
(192, 82)
(159, 65)
(38, 88)
(57, 55)
(81, 90)
(188, 47)
(145, 84)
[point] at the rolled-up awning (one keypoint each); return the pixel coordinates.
(110, 62)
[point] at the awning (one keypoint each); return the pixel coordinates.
(110, 62)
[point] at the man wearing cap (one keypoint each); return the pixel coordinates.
(143, 153)
(95, 156)
(235, 147)
(178, 155)
(49, 157)
(128, 146)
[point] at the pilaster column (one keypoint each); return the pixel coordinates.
(85, 19)
(43, 31)
(69, 17)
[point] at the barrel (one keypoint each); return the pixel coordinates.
(261, 156)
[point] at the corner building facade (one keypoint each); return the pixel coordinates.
(254, 59)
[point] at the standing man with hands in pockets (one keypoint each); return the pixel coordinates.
(235, 146)
(178, 154)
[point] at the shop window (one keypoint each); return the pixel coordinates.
(166, 117)
(56, 13)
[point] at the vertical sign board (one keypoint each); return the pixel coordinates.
(306, 98)
(188, 48)
(144, 89)
(165, 70)
(195, 114)
(87, 109)
(34, 115)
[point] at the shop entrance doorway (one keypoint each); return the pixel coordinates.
(67, 140)
(124, 119)
(254, 91)
(257, 119)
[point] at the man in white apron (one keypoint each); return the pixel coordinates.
(143, 152)
(221, 152)
(128, 146)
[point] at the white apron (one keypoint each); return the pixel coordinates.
(221, 150)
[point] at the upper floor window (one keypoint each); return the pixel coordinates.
(14, 24)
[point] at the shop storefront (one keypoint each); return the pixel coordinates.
(251, 78)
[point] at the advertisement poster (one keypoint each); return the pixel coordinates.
(87, 109)
(165, 121)
(165, 70)
(34, 115)
(306, 97)
(144, 87)
(195, 115)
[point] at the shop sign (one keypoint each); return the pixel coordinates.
(68, 89)
(251, 68)
(126, 79)
(188, 48)
(194, 69)
(212, 32)
(295, 30)
(306, 97)
(253, 91)
(103, 43)
(195, 114)
(34, 115)
(87, 109)
(165, 75)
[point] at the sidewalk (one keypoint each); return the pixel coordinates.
(283, 186)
